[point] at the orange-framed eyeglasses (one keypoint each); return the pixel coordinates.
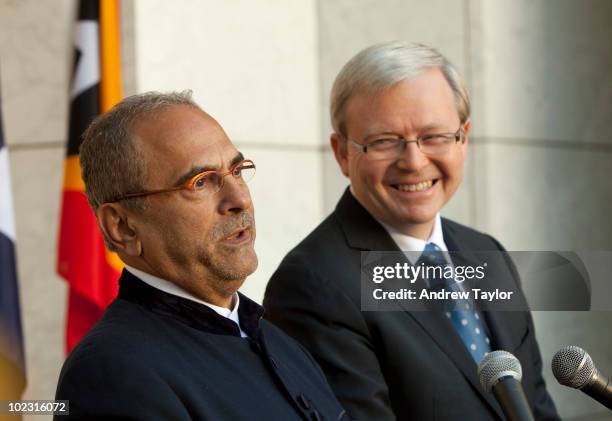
(206, 182)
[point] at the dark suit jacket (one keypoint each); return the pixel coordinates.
(156, 356)
(399, 364)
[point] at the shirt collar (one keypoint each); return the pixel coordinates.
(408, 243)
(174, 289)
(189, 312)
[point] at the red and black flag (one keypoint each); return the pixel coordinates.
(12, 364)
(90, 270)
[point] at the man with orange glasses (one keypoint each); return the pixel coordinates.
(179, 343)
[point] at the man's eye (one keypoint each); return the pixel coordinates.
(436, 138)
(238, 171)
(200, 182)
(383, 143)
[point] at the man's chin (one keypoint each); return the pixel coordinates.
(242, 265)
(250, 264)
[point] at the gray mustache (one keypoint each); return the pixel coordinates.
(225, 228)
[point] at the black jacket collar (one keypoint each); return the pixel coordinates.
(196, 315)
(363, 232)
(360, 229)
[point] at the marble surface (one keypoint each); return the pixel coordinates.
(35, 38)
(253, 65)
(543, 69)
(547, 198)
(42, 292)
(128, 48)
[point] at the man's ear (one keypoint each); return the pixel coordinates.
(467, 126)
(118, 229)
(339, 146)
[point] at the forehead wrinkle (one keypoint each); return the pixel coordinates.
(434, 125)
(378, 130)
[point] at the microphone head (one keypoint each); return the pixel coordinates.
(573, 366)
(496, 365)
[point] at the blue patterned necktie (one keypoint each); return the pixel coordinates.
(463, 317)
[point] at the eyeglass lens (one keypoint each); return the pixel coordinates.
(430, 146)
(213, 181)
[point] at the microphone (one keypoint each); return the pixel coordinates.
(573, 367)
(501, 372)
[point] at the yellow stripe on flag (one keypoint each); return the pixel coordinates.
(110, 83)
(110, 55)
(72, 174)
(114, 261)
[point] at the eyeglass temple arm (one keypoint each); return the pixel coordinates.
(147, 193)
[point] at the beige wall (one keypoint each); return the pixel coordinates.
(540, 159)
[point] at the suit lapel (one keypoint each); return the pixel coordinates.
(363, 232)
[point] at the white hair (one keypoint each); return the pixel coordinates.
(383, 65)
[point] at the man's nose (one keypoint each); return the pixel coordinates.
(411, 157)
(235, 196)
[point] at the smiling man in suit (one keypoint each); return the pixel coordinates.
(401, 121)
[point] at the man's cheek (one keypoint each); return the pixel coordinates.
(374, 184)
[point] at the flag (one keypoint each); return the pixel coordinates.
(89, 269)
(12, 364)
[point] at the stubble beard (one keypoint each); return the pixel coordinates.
(235, 267)
(231, 264)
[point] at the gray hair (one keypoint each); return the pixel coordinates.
(382, 65)
(112, 163)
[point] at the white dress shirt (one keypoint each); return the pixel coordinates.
(174, 289)
(408, 243)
